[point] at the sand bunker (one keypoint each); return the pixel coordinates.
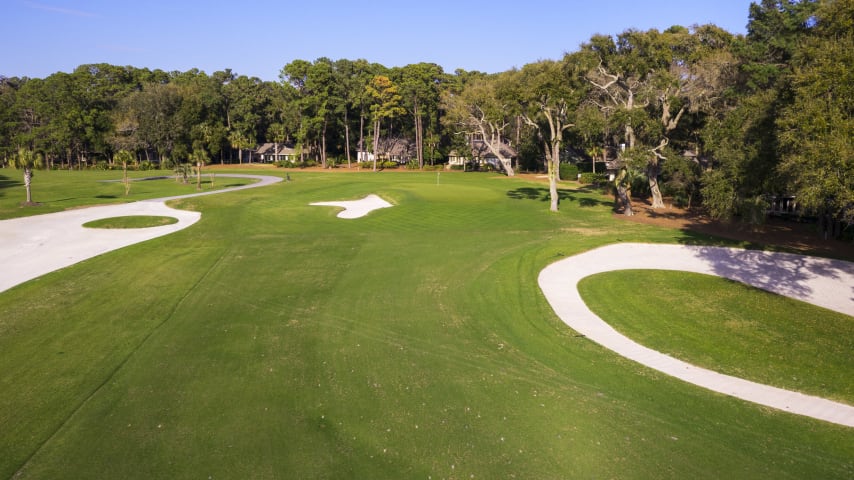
(357, 208)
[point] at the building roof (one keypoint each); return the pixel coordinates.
(480, 149)
(274, 149)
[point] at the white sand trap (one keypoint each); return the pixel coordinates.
(357, 208)
(820, 281)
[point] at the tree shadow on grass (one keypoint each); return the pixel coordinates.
(542, 194)
(780, 272)
(6, 183)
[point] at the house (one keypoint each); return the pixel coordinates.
(394, 149)
(275, 152)
(481, 154)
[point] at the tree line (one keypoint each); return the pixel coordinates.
(697, 114)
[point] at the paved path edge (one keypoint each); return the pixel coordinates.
(824, 282)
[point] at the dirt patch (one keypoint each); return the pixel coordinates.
(790, 235)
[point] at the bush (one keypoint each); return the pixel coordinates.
(568, 171)
(389, 164)
(146, 165)
(456, 167)
(593, 178)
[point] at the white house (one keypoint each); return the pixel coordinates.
(274, 152)
(481, 155)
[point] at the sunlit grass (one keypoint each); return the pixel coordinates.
(274, 340)
(57, 190)
(131, 221)
(730, 327)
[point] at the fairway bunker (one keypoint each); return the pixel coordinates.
(356, 208)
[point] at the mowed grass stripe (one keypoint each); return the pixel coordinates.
(321, 347)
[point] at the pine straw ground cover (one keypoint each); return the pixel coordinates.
(274, 340)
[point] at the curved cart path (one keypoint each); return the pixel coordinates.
(823, 282)
(36, 245)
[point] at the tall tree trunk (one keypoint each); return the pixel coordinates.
(624, 192)
(630, 132)
(553, 195)
(418, 134)
(28, 179)
(347, 137)
(652, 171)
(657, 199)
(323, 146)
(362, 133)
(125, 178)
(625, 200)
(552, 153)
(376, 142)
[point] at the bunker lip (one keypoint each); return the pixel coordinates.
(36, 245)
(356, 208)
(820, 281)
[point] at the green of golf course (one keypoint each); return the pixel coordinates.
(274, 340)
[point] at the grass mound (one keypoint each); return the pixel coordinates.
(131, 221)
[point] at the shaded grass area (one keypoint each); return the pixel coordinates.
(730, 327)
(131, 221)
(273, 340)
(57, 190)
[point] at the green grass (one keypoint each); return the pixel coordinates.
(131, 221)
(274, 340)
(57, 190)
(730, 327)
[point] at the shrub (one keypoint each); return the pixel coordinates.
(389, 164)
(568, 171)
(593, 178)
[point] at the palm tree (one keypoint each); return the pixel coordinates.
(199, 157)
(27, 160)
(124, 156)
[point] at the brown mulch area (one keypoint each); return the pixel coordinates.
(789, 235)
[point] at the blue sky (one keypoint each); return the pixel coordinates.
(258, 37)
